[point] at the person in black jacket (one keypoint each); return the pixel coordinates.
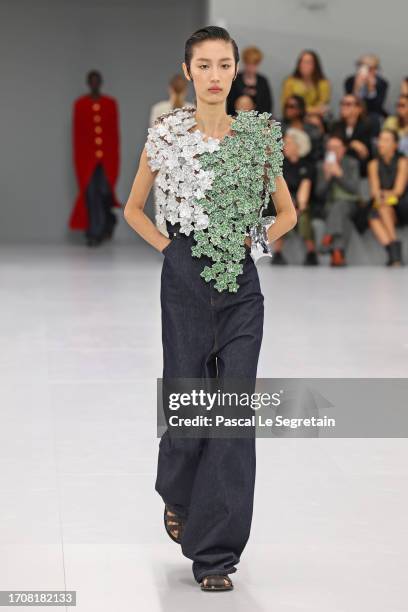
(355, 130)
(368, 85)
(250, 83)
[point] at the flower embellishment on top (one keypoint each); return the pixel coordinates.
(216, 188)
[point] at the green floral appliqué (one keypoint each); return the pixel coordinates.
(244, 169)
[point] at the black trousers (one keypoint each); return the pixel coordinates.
(207, 334)
(99, 202)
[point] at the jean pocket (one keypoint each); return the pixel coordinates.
(168, 246)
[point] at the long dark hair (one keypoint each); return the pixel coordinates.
(317, 74)
(208, 33)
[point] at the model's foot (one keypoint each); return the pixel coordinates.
(216, 583)
(175, 529)
(174, 525)
(278, 259)
(311, 259)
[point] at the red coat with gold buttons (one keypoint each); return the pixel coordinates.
(95, 140)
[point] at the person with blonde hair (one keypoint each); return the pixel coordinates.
(177, 90)
(309, 82)
(388, 179)
(249, 82)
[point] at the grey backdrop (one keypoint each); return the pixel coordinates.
(46, 48)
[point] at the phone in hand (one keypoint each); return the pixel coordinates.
(330, 157)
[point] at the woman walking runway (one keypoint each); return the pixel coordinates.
(215, 174)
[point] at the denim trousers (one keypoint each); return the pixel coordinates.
(208, 334)
(99, 201)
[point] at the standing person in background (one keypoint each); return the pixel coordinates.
(388, 178)
(399, 123)
(355, 130)
(309, 82)
(96, 159)
(338, 186)
(369, 86)
(249, 82)
(177, 91)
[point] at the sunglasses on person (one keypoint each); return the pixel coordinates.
(291, 105)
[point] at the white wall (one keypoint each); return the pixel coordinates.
(339, 32)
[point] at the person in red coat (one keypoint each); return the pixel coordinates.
(96, 160)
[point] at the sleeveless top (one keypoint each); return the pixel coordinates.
(217, 189)
(388, 172)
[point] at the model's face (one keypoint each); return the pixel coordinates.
(306, 65)
(212, 70)
(95, 83)
(386, 144)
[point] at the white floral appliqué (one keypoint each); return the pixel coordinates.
(172, 149)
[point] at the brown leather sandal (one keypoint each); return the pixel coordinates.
(216, 582)
(174, 525)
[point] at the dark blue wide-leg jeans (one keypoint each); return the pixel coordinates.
(208, 334)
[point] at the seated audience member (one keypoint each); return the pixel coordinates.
(298, 175)
(355, 130)
(294, 116)
(388, 179)
(369, 86)
(309, 82)
(399, 123)
(244, 103)
(338, 185)
(404, 87)
(250, 83)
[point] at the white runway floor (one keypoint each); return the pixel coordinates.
(80, 352)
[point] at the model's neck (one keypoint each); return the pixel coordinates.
(212, 120)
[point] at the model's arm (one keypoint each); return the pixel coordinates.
(286, 217)
(134, 208)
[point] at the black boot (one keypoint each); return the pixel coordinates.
(311, 259)
(278, 259)
(394, 250)
(388, 249)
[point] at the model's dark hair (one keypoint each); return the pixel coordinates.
(208, 33)
(317, 74)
